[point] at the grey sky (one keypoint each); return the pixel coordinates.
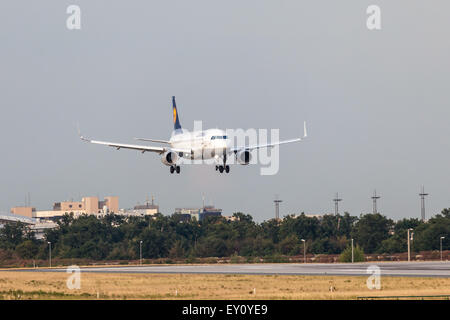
(376, 102)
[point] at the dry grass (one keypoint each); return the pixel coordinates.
(41, 285)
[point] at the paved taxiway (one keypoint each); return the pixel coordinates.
(412, 269)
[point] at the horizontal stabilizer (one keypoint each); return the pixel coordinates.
(152, 140)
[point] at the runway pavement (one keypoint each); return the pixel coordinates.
(411, 269)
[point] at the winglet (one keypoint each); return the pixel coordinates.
(79, 134)
(305, 134)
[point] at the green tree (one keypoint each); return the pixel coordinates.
(177, 250)
(27, 249)
(289, 245)
(358, 254)
(394, 244)
(371, 230)
(118, 237)
(12, 234)
(302, 226)
(427, 235)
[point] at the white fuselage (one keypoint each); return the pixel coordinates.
(207, 144)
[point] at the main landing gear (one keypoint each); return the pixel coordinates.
(175, 168)
(224, 167)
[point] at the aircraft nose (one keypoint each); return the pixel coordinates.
(220, 144)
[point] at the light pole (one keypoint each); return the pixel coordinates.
(352, 252)
(441, 245)
(304, 250)
(409, 245)
(50, 253)
(140, 252)
(336, 204)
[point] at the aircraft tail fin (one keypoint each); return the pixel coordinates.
(176, 119)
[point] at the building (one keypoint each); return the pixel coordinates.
(39, 228)
(87, 205)
(35, 225)
(91, 205)
(193, 213)
(111, 204)
(199, 213)
(24, 211)
(231, 218)
(209, 211)
(184, 217)
(147, 209)
(315, 215)
(309, 215)
(6, 218)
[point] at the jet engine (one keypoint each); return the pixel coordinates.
(169, 158)
(244, 157)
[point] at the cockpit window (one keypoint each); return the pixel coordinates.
(218, 137)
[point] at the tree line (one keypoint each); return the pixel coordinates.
(116, 237)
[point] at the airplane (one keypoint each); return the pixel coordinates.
(205, 144)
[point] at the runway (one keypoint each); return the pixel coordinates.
(404, 269)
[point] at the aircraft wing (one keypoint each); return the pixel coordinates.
(119, 146)
(270, 145)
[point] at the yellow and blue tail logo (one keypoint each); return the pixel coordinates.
(176, 120)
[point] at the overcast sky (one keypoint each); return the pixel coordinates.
(376, 102)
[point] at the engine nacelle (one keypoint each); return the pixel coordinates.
(169, 158)
(244, 157)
